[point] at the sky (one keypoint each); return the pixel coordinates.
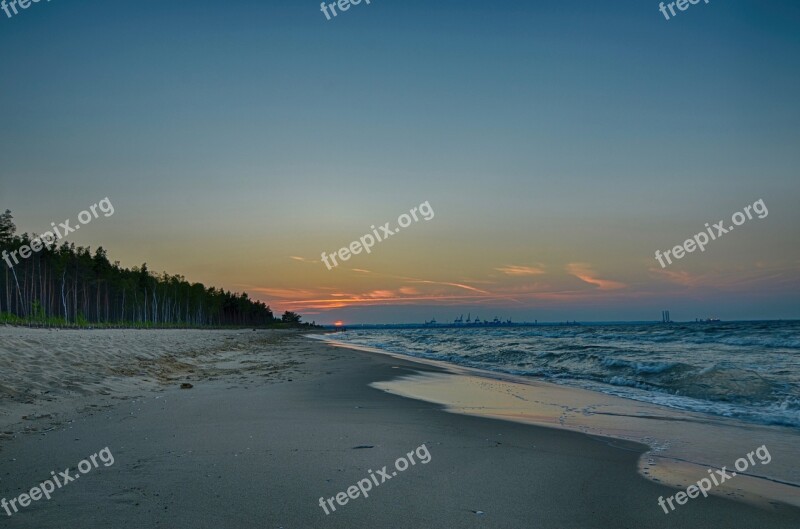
(560, 144)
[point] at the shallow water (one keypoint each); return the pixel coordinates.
(746, 370)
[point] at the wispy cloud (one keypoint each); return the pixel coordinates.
(678, 277)
(382, 294)
(457, 285)
(444, 283)
(514, 270)
(286, 293)
(584, 272)
(733, 279)
(376, 298)
(414, 291)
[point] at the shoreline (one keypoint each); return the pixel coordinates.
(270, 427)
(676, 456)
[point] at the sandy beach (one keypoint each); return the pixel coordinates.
(274, 421)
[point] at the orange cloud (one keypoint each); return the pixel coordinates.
(513, 270)
(385, 294)
(457, 285)
(584, 272)
(302, 259)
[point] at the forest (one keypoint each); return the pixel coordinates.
(71, 286)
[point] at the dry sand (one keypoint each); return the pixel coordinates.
(47, 374)
(274, 421)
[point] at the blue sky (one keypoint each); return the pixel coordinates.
(234, 136)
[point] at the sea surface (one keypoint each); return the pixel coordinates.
(744, 370)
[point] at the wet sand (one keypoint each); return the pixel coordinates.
(684, 446)
(263, 434)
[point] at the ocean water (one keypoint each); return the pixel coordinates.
(744, 370)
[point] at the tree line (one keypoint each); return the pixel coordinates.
(70, 285)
